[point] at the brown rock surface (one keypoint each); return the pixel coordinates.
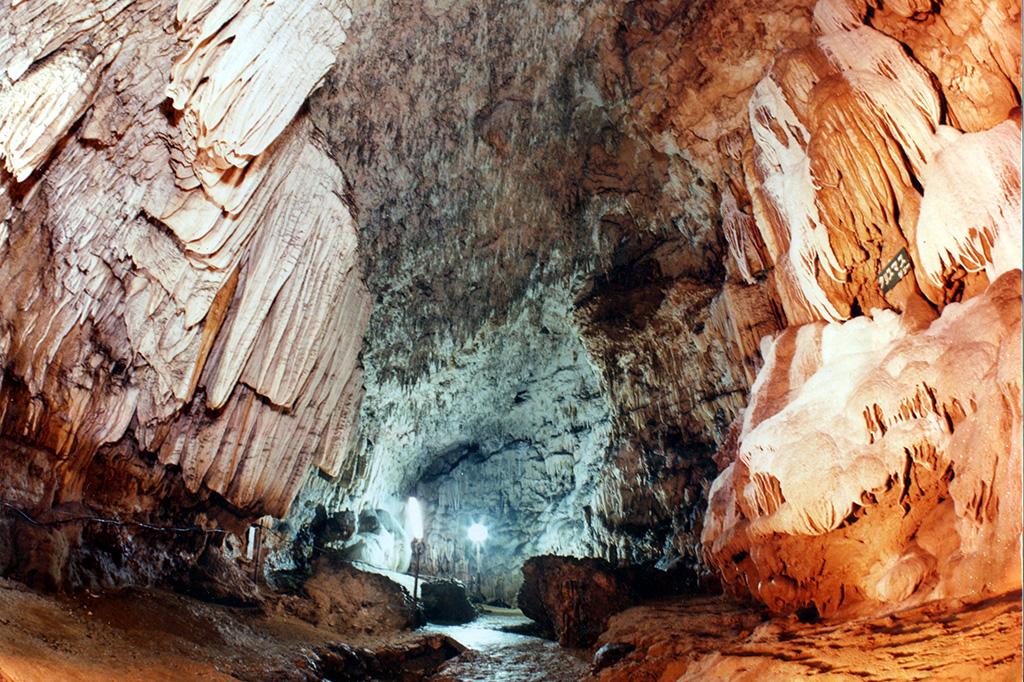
(415, 660)
(144, 635)
(849, 133)
(719, 639)
(446, 601)
(183, 303)
(340, 597)
(879, 462)
(158, 286)
(576, 222)
(573, 598)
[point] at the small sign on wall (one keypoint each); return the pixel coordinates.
(894, 271)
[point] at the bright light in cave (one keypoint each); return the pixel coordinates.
(414, 518)
(477, 532)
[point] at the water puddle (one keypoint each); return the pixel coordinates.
(498, 656)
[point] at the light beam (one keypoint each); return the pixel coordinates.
(414, 519)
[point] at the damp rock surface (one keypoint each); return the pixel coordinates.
(495, 654)
(446, 602)
(414, 660)
(571, 599)
(340, 596)
(151, 635)
(544, 240)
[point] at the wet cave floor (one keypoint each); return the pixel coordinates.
(493, 654)
(141, 635)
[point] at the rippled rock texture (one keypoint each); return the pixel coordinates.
(717, 638)
(878, 463)
(183, 304)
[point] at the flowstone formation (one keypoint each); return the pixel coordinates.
(878, 463)
(183, 304)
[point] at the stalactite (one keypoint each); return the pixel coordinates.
(201, 256)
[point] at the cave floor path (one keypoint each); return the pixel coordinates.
(495, 655)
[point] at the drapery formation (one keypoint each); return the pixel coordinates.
(179, 263)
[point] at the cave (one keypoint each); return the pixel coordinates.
(470, 340)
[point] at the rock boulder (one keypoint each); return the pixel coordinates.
(573, 598)
(343, 598)
(445, 601)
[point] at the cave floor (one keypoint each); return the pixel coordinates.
(139, 635)
(717, 638)
(495, 655)
(145, 635)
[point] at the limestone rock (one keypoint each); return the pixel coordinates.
(879, 462)
(615, 347)
(184, 277)
(610, 654)
(573, 598)
(445, 601)
(701, 638)
(831, 213)
(410, 660)
(339, 597)
(575, 223)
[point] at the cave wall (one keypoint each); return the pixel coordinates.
(878, 463)
(753, 169)
(553, 301)
(525, 458)
(565, 229)
(179, 263)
